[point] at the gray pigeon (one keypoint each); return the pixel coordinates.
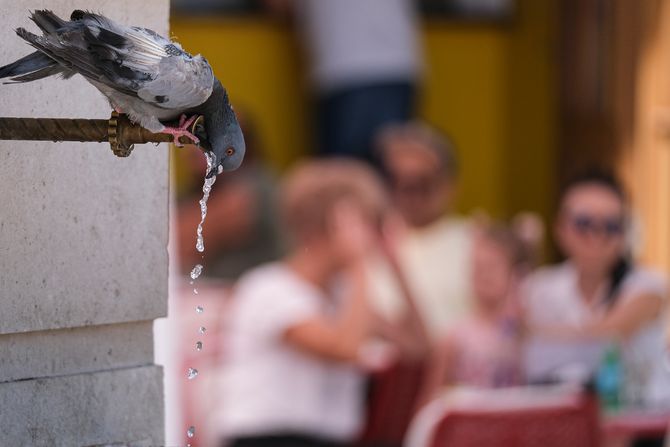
(142, 74)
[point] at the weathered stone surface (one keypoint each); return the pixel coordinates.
(34, 355)
(122, 406)
(83, 234)
(83, 261)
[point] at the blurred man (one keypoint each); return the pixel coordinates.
(433, 246)
(365, 64)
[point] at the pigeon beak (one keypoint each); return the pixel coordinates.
(212, 164)
(215, 165)
(215, 170)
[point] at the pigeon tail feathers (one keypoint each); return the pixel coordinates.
(47, 21)
(34, 66)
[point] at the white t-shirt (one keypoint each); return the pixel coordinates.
(270, 387)
(552, 297)
(436, 261)
(352, 42)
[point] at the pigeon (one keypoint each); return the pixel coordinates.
(143, 74)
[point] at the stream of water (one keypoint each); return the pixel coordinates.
(192, 373)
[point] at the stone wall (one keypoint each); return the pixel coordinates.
(83, 262)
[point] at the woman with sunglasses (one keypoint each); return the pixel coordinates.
(597, 299)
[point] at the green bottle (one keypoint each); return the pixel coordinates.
(609, 379)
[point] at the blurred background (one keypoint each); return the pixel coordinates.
(528, 91)
(525, 94)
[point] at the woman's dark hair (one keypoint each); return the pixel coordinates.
(595, 176)
(607, 179)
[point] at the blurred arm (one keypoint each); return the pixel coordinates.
(439, 372)
(627, 317)
(622, 321)
(409, 332)
(339, 338)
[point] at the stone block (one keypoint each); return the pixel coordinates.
(117, 407)
(34, 355)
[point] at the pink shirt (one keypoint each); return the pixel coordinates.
(487, 354)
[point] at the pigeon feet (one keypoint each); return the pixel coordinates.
(182, 130)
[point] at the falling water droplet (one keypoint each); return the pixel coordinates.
(202, 330)
(197, 270)
(192, 373)
(199, 309)
(198, 346)
(190, 432)
(206, 189)
(191, 282)
(195, 290)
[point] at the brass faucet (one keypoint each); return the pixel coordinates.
(118, 130)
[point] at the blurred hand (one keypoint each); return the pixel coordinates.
(353, 235)
(377, 355)
(393, 230)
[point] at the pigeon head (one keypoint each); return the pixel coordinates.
(229, 146)
(224, 135)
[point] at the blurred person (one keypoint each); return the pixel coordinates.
(365, 64)
(484, 350)
(241, 228)
(597, 298)
(432, 244)
(299, 327)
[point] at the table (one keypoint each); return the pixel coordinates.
(616, 429)
(620, 428)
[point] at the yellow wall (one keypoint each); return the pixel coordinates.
(491, 87)
(464, 95)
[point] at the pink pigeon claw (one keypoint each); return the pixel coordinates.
(182, 130)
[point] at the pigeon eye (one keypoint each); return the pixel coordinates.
(230, 151)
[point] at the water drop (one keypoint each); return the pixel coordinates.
(192, 373)
(197, 270)
(202, 330)
(195, 290)
(190, 432)
(199, 309)
(206, 189)
(198, 346)
(191, 282)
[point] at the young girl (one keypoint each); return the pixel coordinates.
(484, 349)
(300, 327)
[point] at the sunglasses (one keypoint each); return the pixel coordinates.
(608, 226)
(414, 185)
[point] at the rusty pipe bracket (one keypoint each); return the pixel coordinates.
(118, 148)
(118, 131)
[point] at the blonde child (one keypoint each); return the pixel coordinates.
(484, 349)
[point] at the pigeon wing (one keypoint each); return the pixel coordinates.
(180, 83)
(131, 60)
(157, 70)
